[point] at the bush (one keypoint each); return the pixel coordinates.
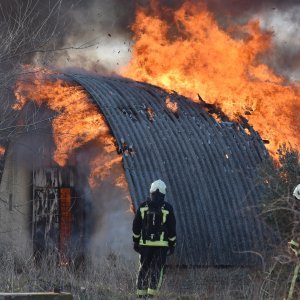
(282, 212)
(280, 208)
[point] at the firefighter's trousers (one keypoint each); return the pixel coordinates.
(152, 262)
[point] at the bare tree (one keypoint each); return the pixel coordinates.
(27, 28)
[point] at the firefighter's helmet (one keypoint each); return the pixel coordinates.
(296, 192)
(158, 185)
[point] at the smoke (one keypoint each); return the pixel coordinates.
(99, 32)
(238, 7)
(111, 229)
(90, 34)
(285, 57)
(106, 28)
(282, 18)
(96, 35)
(108, 217)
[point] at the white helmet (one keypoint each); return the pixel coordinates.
(158, 185)
(296, 192)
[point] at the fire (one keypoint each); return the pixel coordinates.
(2, 151)
(192, 54)
(78, 121)
(101, 168)
(172, 106)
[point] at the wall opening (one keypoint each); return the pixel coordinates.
(58, 215)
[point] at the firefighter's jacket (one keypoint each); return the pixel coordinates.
(167, 237)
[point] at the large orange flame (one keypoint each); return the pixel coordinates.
(78, 121)
(191, 54)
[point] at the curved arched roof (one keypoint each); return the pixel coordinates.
(209, 168)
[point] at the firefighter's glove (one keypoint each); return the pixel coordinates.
(170, 250)
(136, 247)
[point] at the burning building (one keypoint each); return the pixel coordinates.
(208, 163)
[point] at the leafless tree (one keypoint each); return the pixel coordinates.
(27, 28)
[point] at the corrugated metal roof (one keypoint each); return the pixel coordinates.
(209, 168)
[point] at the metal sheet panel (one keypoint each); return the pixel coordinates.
(209, 168)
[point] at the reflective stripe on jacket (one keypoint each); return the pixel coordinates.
(167, 237)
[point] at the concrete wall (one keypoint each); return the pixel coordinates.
(15, 206)
(108, 217)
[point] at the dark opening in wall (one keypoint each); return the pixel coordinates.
(58, 215)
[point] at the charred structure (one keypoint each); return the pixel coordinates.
(58, 214)
(43, 205)
(209, 166)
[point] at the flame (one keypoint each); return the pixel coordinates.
(172, 106)
(150, 113)
(78, 121)
(192, 54)
(2, 151)
(101, 168)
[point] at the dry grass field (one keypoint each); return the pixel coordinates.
(113, 277)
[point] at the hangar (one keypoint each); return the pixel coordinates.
(208, 163)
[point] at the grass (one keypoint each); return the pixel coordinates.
(113, 277)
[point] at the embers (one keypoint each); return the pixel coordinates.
(150, 113)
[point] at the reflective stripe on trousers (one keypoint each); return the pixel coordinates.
(141, 292)
(152, 262)
(156, 291)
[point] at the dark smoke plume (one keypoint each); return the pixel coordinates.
(238, 7)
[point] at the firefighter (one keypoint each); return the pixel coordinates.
(296, 192)
(294, 246)
(294, 243)
(154, 237)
